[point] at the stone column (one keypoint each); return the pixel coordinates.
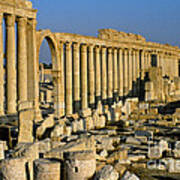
(22, 60)
(11, 64)
(62, 78)
(120, 68)
(125, 75)
(41, 65)
(145, 60)
(84, 77)
(115, 75)
(134, 68)
(91, 76)
(130, 72)
(33, 68)
(149, 60)
(1, 68)
(137, 72)
(57, 93)
(98, 75)
(69, 106)
(142, 65)
(110, 77)
(158, 60)
(76, 82)
(104, 75)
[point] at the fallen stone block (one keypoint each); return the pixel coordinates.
(129, 176)
(107, 173)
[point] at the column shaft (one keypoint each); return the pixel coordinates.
(115, 75)
(1, 68)
(142, 65)
(130, 71)
(104, 75)
(137, 72)
(11, 64)
(76, 82)
(84, 77)
(110, 76)
(125, 75)
(98, 75)
(22, 60)
(62, 60)
(120, 68)
(134, 65)
(69, 106)
(91, 77)
(33, 69)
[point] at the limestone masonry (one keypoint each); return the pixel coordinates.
(108, 108)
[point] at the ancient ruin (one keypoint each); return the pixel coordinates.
(108, 108)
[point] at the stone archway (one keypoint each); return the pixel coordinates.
(56, 69)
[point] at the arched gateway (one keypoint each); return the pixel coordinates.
(56, 65)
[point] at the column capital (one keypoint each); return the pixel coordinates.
(109, 50)
(103, 49)
(83, 48)
(90, 47)
(22, 21)
(68, 45)
(125, 51)
(97, 49)
(10, 20)
(32, 23)
(115, 50)
(76, 46)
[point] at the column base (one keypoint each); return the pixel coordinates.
(115, 97)
(97, 99)
(110, 101)
(92, 105)
(77, 106)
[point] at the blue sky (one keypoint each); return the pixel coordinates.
(157, 20)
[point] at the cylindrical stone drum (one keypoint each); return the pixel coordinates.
(45, 169)
(13, 169)
(79, 165)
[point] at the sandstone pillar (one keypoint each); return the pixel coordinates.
(125, 75)
(69, 106)
(110, 77)
(41, 65)
(57, 93)
(142, 65)
(91, 76)
(134, 72)
(76, 82)
(62, 79)
(130, 71)
(33, 68)
(22, 60)
(84, 77)
(145, 60)
(11, 64)
(104, 75)
(1, 68)
(137, 72)
(115, 75)
(98, 75)
(149, 60)
(120, 68)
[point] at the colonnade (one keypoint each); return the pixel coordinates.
(17, 77)
(94, 73)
